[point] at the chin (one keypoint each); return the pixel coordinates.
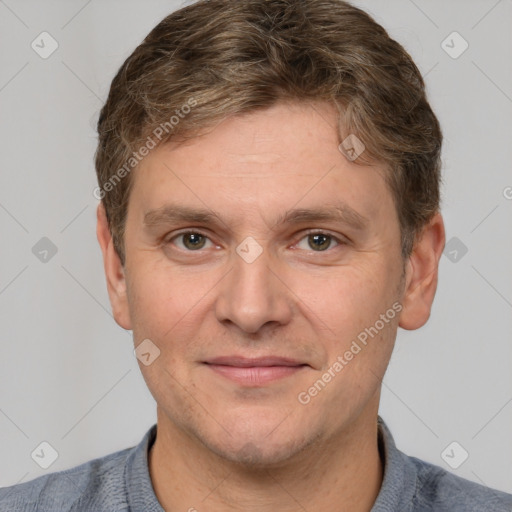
(262, 448)
(257, 455)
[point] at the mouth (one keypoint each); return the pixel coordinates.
(255, 371)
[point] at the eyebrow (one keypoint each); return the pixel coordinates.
(337, 213)
(341, 212)
(173, 213)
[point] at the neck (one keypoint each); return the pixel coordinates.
(343, 472)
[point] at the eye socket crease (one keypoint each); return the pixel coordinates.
(334, 240)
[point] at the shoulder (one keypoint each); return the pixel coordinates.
(414, 485)
(95, 485)
(439, 490)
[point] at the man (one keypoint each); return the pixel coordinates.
(269, 180)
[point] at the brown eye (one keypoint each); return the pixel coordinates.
(192, 241)
(319, 241)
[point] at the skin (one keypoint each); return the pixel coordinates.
(226, 446)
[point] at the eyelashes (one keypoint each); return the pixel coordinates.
(313, 241)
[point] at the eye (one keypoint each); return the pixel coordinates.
(191, 241)
(317, 242)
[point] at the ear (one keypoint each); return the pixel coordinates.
(114, 271)
(421, 275)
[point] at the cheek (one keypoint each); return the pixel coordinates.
(163, 302)
(346, 300)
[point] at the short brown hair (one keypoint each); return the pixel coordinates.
(221, 58)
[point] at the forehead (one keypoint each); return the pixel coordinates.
(262, 162)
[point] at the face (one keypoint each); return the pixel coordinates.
(257, 254)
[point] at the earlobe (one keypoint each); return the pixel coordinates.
(114, 271)
(422, 274)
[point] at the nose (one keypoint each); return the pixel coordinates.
(253, 297)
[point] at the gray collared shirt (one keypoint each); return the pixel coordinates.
(120, 482)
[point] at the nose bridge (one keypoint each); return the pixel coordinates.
(251, 296)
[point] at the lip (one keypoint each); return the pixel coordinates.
(255, 371)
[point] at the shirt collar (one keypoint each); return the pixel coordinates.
(396, 493)
(400, 475)
(139, 489)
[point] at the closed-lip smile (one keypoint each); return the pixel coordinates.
(255, 371)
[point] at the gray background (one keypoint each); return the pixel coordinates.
(67, 371)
